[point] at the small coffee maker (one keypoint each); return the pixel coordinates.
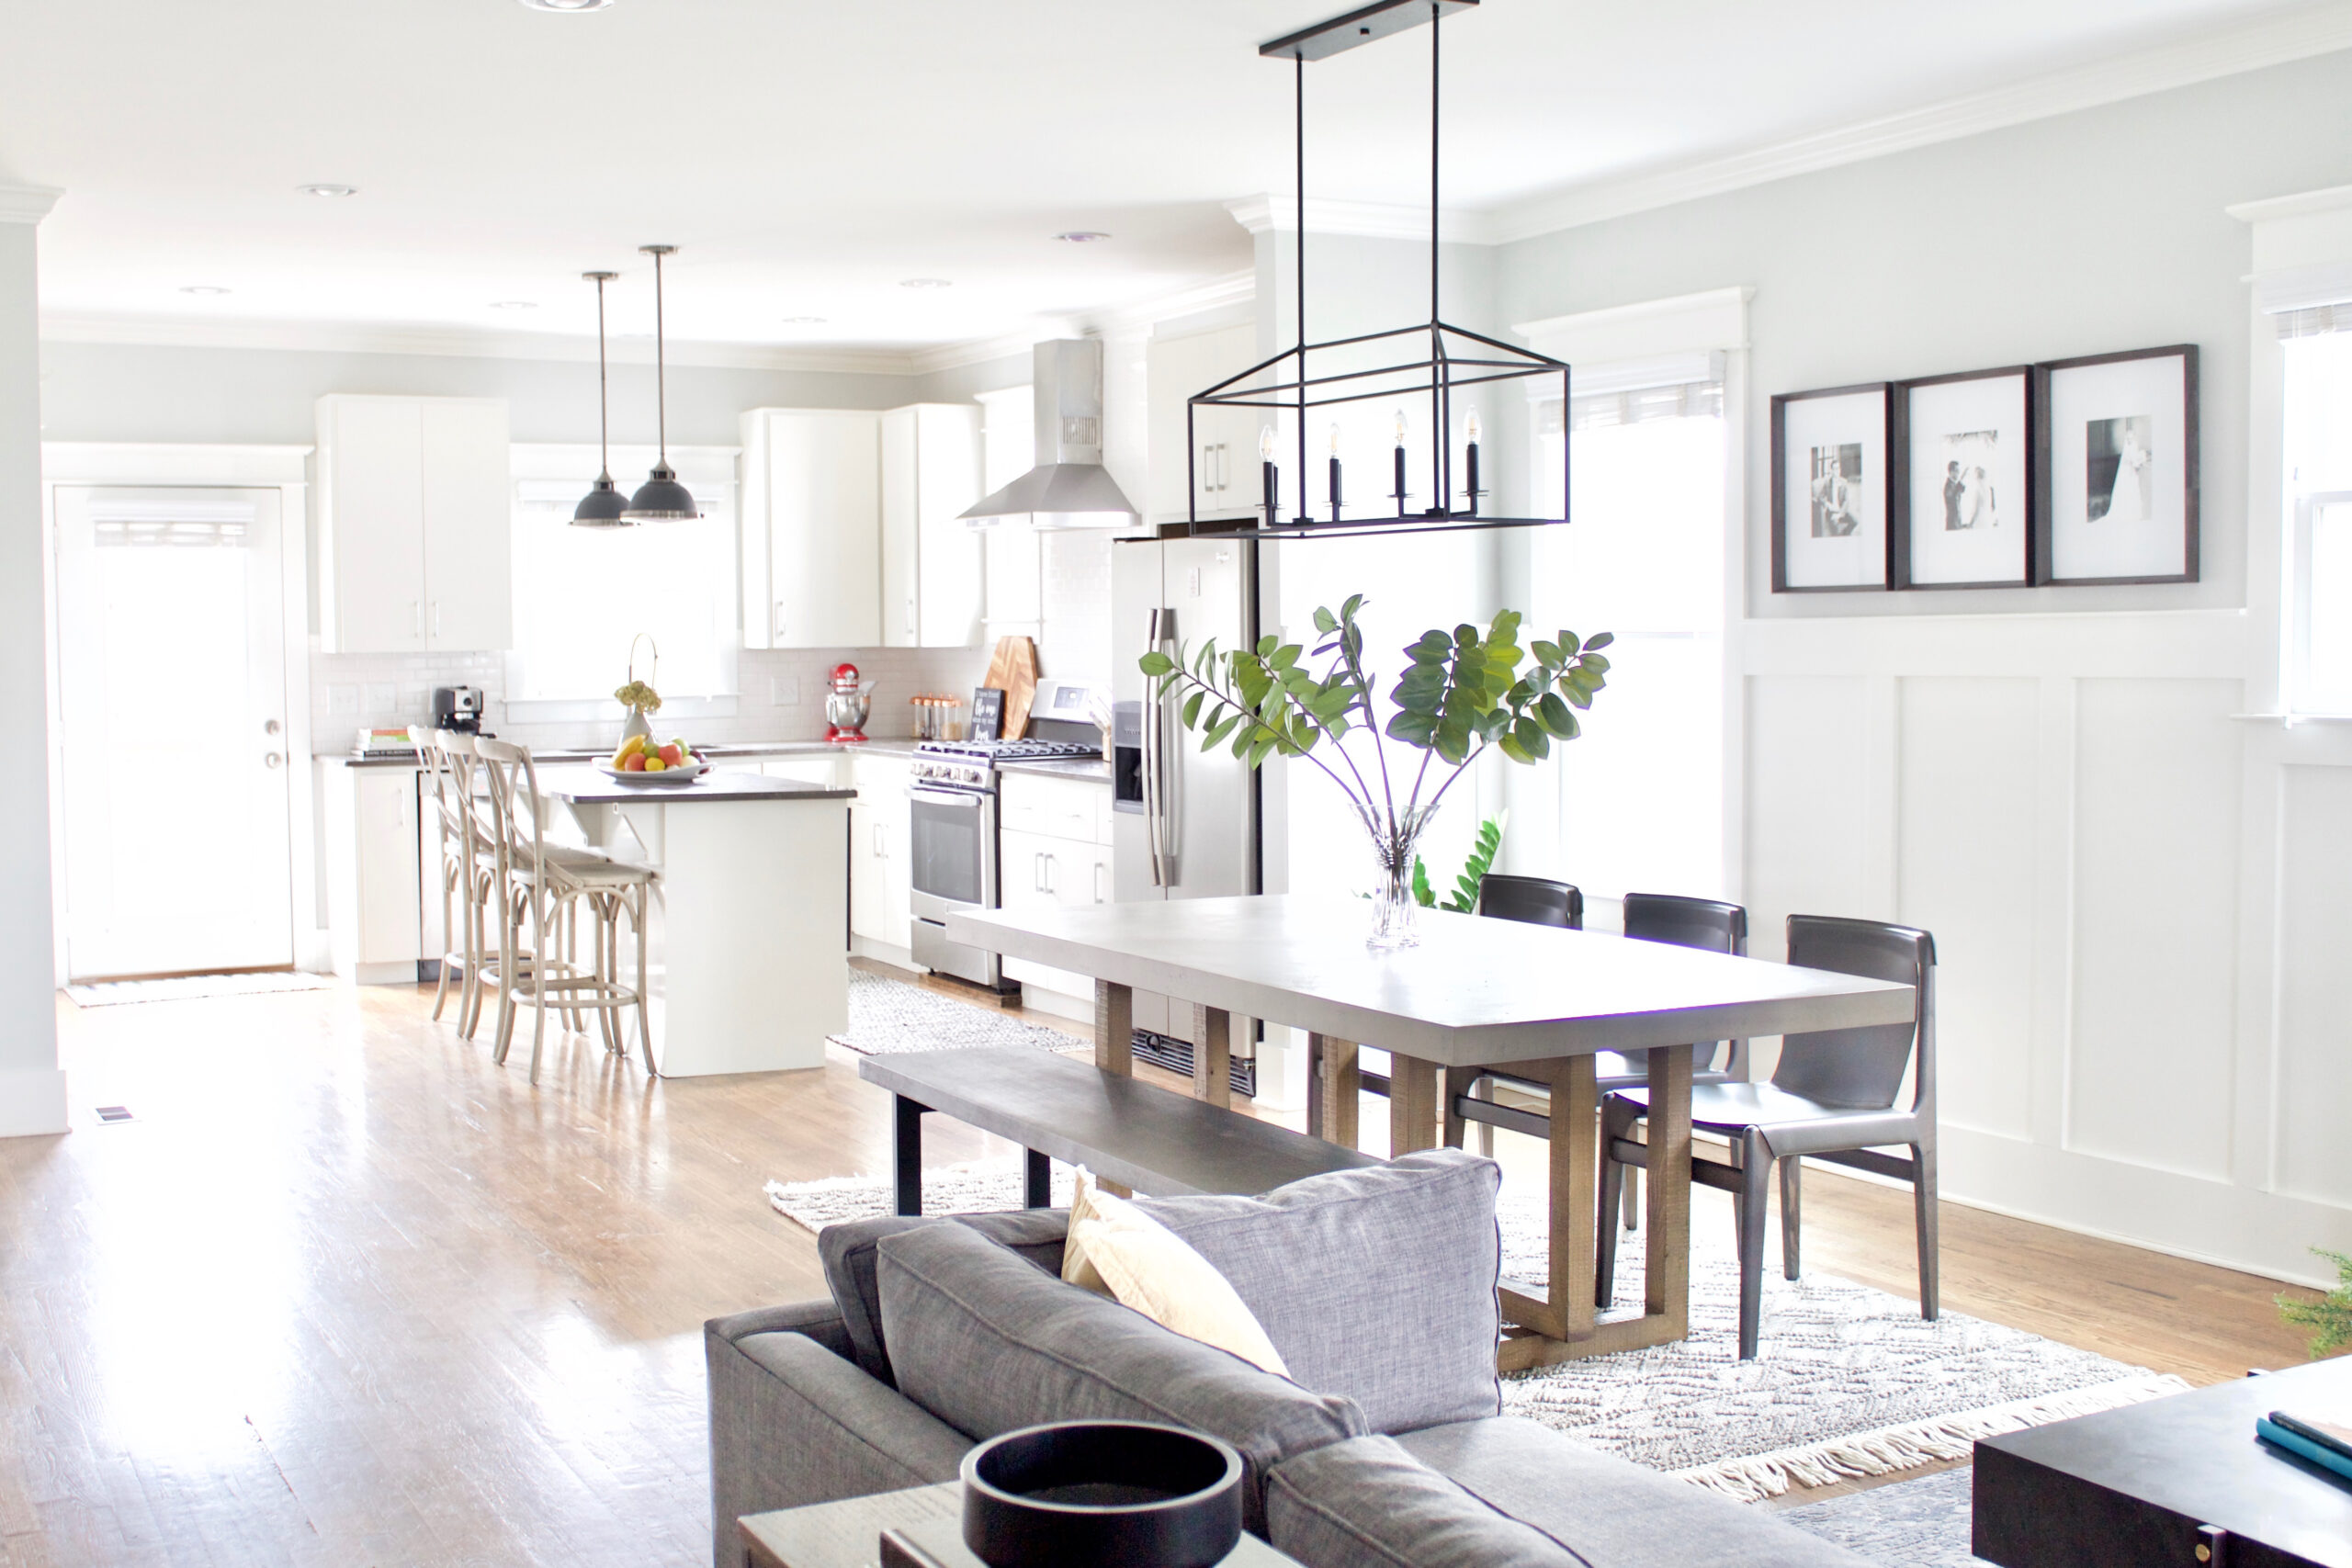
(457, 708)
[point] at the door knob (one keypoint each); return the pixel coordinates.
(270, 759)
(270, 727)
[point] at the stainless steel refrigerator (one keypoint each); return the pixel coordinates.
(1186, 821)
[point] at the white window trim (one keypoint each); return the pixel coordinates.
(708, 467)
(2302, 250)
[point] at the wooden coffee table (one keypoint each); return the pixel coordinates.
(2181, 1480)
(847, 1534)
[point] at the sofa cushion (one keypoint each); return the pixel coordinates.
(1378, 1283)
(1117, 1250)
(1368, 1504)
(847, 1252)
(1610, 1513)
(989, 1342)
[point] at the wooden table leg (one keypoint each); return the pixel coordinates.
(1667, 1287)
(1413, 1105)
(1114, 1042)
(1336, 1089)
(1213, 1055)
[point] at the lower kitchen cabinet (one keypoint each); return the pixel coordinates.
(1054, 852)
(880, 880)
(375, 874)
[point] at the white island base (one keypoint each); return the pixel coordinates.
(749, 925)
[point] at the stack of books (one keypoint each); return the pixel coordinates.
(384, 743)
(2324, 1443)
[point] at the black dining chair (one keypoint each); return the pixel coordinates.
(1831, 1099)
(1706, 923)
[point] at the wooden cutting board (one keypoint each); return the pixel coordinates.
(1013, 671)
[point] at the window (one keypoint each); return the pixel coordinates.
(1641, 794)
(2319, 494)
(581, 595)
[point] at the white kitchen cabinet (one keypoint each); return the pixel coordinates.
(374, 873)
(809, 767)
(416, 524)
(812, 528)
(1224, 471)
(931, 557)
(1054, 852)
(881, 886)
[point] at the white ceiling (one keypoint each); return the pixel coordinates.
(807, 157)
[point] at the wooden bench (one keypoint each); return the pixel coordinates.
(1149, 1139)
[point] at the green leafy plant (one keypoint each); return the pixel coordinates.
(1463, 694)
(2330, 1318)
(1463, 900)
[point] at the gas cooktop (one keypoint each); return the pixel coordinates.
(1031, 751)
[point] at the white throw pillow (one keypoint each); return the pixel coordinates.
(1117, 1250)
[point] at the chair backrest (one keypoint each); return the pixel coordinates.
(1706, 923)
(1863, 1068)
(1535, 900)
(514, 791)
(440, 778)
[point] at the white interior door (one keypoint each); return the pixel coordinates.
(172, 698)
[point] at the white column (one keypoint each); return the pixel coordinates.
(32, 1087)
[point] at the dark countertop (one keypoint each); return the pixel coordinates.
(586, 786)
(1086, 770)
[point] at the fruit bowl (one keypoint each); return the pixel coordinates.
(683, 774)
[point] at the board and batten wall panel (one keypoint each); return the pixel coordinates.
(2157, 778)
(2314, 1086)
(1808, 781)
(1968, 771)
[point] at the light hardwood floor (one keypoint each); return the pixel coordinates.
(341, 1291)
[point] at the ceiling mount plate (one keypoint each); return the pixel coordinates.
(1365, 24)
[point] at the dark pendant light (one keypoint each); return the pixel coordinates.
(601, 507)
(660, 499)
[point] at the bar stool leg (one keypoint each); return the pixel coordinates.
(643, 903)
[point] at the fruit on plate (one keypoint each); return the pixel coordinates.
(633, 763)
(644, 754)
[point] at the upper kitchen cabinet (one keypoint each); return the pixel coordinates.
(812, 528)
(416, 517)
(931, 557)
(1223, 475)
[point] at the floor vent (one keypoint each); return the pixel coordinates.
(114, 1113)
(1176, 1055)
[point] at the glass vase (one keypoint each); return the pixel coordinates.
(1395, 911)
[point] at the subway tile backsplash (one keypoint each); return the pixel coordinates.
(782, 694)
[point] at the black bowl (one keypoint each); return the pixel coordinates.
(1125, 1491)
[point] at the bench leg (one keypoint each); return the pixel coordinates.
(1036, 1181)
(908, 1171)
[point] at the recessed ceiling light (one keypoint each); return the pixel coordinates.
(1082, 236)
(514, 304)
(803, 321)
(328, 190)
(567, 5)
(203, 288)
(924, 283)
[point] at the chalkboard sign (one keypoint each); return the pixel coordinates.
(988, 713)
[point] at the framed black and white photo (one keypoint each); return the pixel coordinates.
(2118, 476)
(1832, 487)
(1965, 484)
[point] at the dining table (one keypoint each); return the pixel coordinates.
(1470, 993)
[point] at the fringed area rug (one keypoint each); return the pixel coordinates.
(1850, 1381)
(188, 987)
(889, 1016)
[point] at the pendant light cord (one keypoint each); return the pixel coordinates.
(1299, 157)
(660, 367)
(604, 394)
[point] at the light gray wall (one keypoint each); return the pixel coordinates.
(32, 1095)
(961, 383)
(2085, 233)
(133, 392)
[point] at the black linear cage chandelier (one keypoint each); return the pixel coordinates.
(1455, 357)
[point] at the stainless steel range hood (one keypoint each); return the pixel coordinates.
(1069, 488)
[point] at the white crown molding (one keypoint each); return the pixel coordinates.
(25, 204)
(334, 337)
(2273, 38)
(1367, 220)
(2302, 205)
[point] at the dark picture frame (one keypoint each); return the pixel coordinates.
(1805, 539)
(1979, 481)
(2097, 464)
(988, 713)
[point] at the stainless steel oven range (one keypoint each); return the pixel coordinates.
(952, 798)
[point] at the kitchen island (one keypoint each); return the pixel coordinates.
(754, 966)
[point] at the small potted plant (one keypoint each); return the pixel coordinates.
(639, 696)
(1464, 694)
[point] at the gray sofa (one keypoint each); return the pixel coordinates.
(1389, 1448)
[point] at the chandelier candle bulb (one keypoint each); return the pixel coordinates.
(1400, 463)
(1271, 478)
(1335, 473)
(1473, 454)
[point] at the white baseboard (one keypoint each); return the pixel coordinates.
(883, 953)
(32, 1103)
(400, 972)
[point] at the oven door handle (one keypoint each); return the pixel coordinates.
(964, 799)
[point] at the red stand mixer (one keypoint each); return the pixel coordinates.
(847, 702)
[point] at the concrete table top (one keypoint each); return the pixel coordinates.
(1475, 992)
